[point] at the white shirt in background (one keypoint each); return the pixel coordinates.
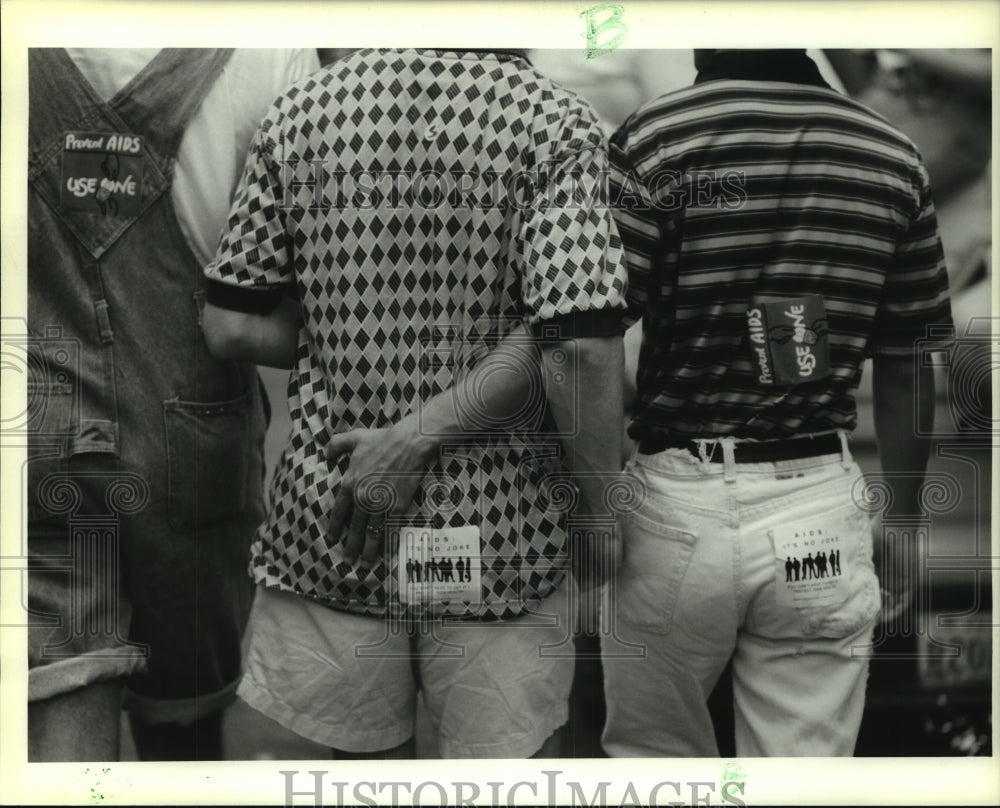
(214, 146)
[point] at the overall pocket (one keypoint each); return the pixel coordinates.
(208, 460)
(52, 421)
(652, 572)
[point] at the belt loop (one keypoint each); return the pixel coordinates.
(633, 453)
(729, 458)
(703, 455)
(846, 458)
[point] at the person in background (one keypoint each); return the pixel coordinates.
(917, 89)
(776, 234)
(330, 55)
(616, 82)
(134, 154)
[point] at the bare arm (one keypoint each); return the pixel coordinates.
(589, 404)
(265, 339)
(499, 393)
(902, 395)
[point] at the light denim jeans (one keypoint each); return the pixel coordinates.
(706, 554)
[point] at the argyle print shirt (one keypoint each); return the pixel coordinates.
(420, 204)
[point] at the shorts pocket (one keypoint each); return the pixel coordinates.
(208, 460)
(861, 600)
(649, 581)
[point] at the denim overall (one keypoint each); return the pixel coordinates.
(139, 439)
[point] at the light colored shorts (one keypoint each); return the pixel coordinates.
(492, 690)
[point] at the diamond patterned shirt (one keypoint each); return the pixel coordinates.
(420, 204)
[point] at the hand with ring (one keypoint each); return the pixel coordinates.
(395, 457)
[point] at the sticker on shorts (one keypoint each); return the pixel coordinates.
(809, 563)
(789, 341)
(439, 564)
(101, 173)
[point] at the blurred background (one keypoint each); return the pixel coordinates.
(930, 684)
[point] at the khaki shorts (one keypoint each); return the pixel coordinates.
(350, 682)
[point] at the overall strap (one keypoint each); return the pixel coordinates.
(161, 99)
(158, 102)
(59, 98)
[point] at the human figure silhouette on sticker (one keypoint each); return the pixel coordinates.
(821, 565)
(417, 569)
(809, 566)
(468, 569)
(409, 570)
(788, 568)
(796, 567)
(460, 568)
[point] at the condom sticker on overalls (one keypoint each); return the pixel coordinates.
(809, 563)
(101, 173)
(789, 341)
(438, 565)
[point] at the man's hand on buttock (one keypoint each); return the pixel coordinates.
(382, 478)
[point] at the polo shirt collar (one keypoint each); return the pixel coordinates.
(500, 54)
(762, 65)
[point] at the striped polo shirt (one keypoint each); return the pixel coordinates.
(420, 204)
(760, 184)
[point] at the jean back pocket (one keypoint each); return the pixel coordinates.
(652, 572)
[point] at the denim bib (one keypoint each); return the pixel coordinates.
(121, 379)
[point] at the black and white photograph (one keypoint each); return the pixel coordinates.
(569, 404)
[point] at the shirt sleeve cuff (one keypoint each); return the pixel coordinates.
(580, 324)
(239, 298)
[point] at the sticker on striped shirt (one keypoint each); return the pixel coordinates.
(438, 565)
(789, 341)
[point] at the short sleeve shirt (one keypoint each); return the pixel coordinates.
(734, 192)
(420, 204)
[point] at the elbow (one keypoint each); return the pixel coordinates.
(604, 355)
(588, 358)
(226, 332)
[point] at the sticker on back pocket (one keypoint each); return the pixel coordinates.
(439, 564)
(810, 565)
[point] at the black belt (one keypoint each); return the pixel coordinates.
(767, 451)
